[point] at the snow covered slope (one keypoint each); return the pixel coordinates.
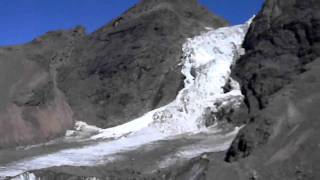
(206, 66)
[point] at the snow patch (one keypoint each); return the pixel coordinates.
(82, 131)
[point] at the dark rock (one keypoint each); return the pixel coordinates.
(279, 75)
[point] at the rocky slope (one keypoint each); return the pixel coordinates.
(32, 108)
(280, 80)
(113, 75)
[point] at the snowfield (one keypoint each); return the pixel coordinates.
(206, 65)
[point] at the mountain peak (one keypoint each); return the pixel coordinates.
(187, 11)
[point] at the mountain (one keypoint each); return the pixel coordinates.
(131, 66)
(118, 73)
(167, 136)
(165, 91)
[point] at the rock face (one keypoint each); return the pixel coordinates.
(32, 108)
(280, 80)
(131, 66)
(109, 77)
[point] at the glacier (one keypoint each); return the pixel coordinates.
(210, 55)
(206, 62)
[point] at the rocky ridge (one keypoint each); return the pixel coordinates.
(279, 78)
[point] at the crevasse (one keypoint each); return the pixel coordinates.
(206, 63)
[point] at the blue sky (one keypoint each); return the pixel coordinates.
(23, 20)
